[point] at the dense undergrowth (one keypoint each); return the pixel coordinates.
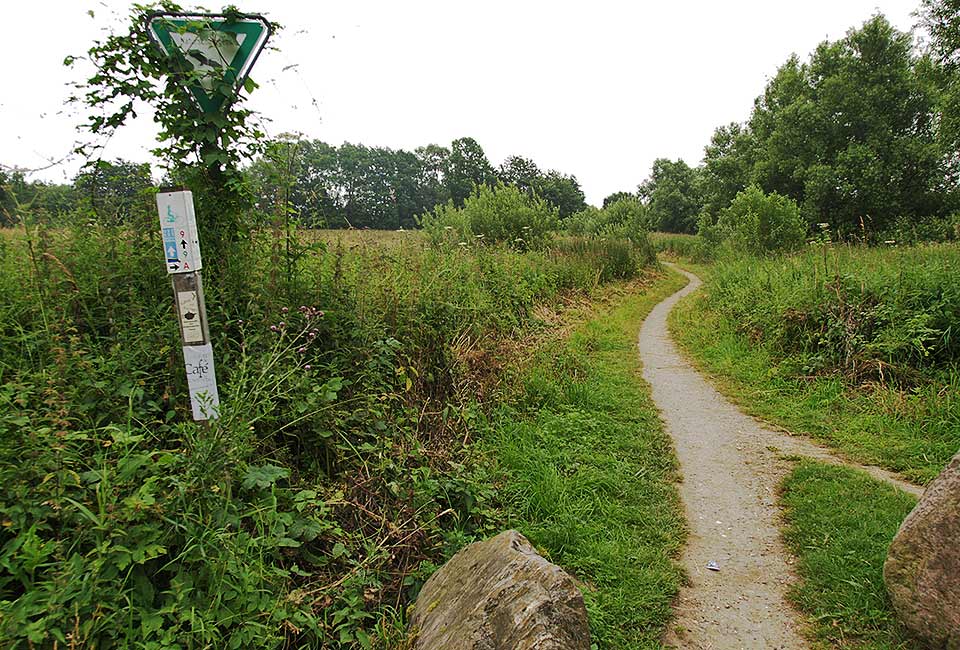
(341, 472)
(855, 346)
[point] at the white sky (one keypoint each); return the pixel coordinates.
(595, 88)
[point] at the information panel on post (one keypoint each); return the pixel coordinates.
(178, 224)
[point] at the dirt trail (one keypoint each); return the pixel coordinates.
(731, 466)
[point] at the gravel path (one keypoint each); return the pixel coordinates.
(731, 466)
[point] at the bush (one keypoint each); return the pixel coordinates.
(501, 214)
(623, 219)
(915, 231)
(763, 223)
(873, 314)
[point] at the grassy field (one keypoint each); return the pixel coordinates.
(356, 372)
(590, 472)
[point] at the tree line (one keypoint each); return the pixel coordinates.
(863, 136)
(319, 184)
(376, 187)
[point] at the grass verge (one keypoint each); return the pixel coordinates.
(590, 474)
(840, 522)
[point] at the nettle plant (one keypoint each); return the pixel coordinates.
(201, 148)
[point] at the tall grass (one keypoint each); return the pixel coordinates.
(856, 346)
(884, 315)
(341, 472)
(678, 245)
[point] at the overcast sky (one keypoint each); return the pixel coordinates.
(597, 89)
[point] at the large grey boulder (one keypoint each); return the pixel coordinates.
(499, 594)
(922, 571)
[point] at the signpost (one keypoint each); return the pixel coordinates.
(214, 52)
(211, 49)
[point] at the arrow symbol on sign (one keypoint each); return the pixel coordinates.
(172, 252)
(174, 266)
(183, 242)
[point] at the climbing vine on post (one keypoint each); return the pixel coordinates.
(201, 149)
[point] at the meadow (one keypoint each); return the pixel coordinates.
(367, 382)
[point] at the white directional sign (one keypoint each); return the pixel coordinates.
(202, 381)
(212, 50)
(178, 224)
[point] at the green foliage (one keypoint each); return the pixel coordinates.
(862, 136)
(689, 247)
(941, 18)
(763, 223)
(672, 195)
(25, 201)
(727, 166)
(851, 136)
(465, 168)
(116, 192)
(335, 481)
(610, 258)
(626, 218)
(203, 150)
(563, 192)
(840, 523)
(617, 196)
(375, 187)
(501, 214)
(856, 347)
(590, 476)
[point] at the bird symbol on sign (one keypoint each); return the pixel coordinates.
(189, 315)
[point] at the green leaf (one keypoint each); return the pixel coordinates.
(263, 477)
(84, 511)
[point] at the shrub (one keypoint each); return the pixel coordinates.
(623, 219)
(493, 215)
(763, 223)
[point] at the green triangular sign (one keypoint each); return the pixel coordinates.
(215, 52)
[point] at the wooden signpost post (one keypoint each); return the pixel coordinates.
(211, 50)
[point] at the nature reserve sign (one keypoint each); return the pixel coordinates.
(211, 56)
(215, 52)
